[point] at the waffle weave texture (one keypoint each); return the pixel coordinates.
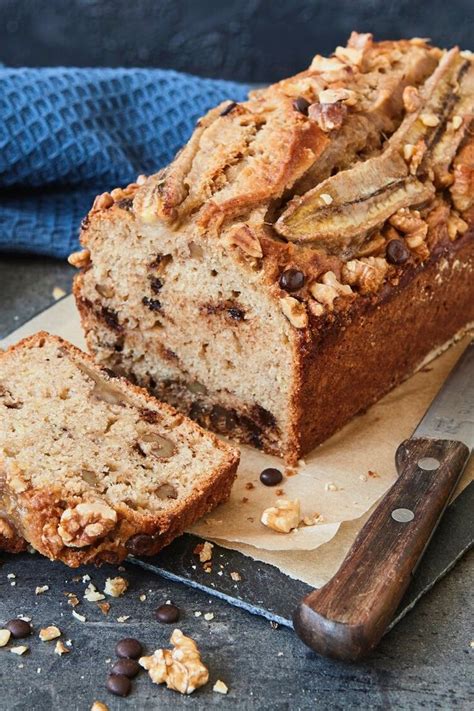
(67, 134)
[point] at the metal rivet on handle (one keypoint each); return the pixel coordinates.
(403, 515)
(428, 464)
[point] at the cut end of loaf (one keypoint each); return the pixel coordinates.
(94, 467)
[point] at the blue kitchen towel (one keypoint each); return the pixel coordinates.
(67, 134)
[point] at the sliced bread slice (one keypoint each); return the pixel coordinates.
(92, 467)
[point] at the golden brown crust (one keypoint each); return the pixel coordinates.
(36, 513)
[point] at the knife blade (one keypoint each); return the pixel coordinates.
(348, 616)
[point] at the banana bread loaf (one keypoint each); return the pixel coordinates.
(302, 254)
(92, 467)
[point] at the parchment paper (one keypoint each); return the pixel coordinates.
(341, 480)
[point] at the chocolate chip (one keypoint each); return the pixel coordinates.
(19, 628)
(119, 684)
(153, 304)
(300, 104)
(292, 279)
(222, 419)
(111, 318)
(236, 314)
(125, 204)
(167, 614)
(156, 284)
(227, 109)
(129, 648)
(127, 667)
(141, 544)
(271, 477)
(397, 252)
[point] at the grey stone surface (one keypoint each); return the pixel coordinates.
(424, 663)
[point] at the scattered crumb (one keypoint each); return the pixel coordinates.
(41, 589)
(121, 569)
(19, 650)
(197, 613)
(48, 633)
(58, 293)
(235, 576)
(69, 643)
(209, 616)
(274, 625)
(280, 654)
(91, 594)
(24, 617)
(61, 648)
(330, 486)
(249, 485)
(86, 578)
(4, 637)
(13, 583)
(104, 607)
(204, 551)
(220, 688)
(207, 567)
(142, 598)
(373, 475)
(73, 600)
(10, 576)
(279, 492)
(472, 644)
(79, 617)
(115, 587)
(123, 618)
(219, 572)
(363, 477)
(313, 519)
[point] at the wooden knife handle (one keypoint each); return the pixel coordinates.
(348, 616)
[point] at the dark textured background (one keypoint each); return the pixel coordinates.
(248, 40)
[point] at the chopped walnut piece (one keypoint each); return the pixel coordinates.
(181, 668)
(99, 706)
(21, 649)
(329, 117)
(326, 64)
(456, 226)
(85, 523)
(411, 99)
(73, 600)
(48, 633)
(313, 519)
(102, 202)
(204, 551)
(282, 517)
(331, 96)
(415, 229)
(4, 637)
(40, 589)
(350, 55)
(91, 594)
(220, 688)
(329, 290)
(243, 237)
(462, 188)
(61, 648)
(367, 274)
(115, 587)
(235, 576)
(294, 311)
(104, 607)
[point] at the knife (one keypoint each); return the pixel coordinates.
(347, 617)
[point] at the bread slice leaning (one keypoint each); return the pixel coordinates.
(93, 468)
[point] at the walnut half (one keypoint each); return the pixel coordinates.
(181, 669)
(283, 517)
(85, 523)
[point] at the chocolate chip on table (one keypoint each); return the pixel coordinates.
(119, 684)
(300, 104)
(19, 628)
(271, 477)
(292, 279)
(129, 648)
(397, 252)
(126, 667)
(167, 614)
(227, 109)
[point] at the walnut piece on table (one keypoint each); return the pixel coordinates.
(181, 668)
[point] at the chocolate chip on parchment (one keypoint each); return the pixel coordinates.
(167, 614)
(292, 279)
(397, 252)
(129, 648)
(19, 628)
(127, 667)
(300, 104)
(119, 684)
(271, 476)
(227, 109)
